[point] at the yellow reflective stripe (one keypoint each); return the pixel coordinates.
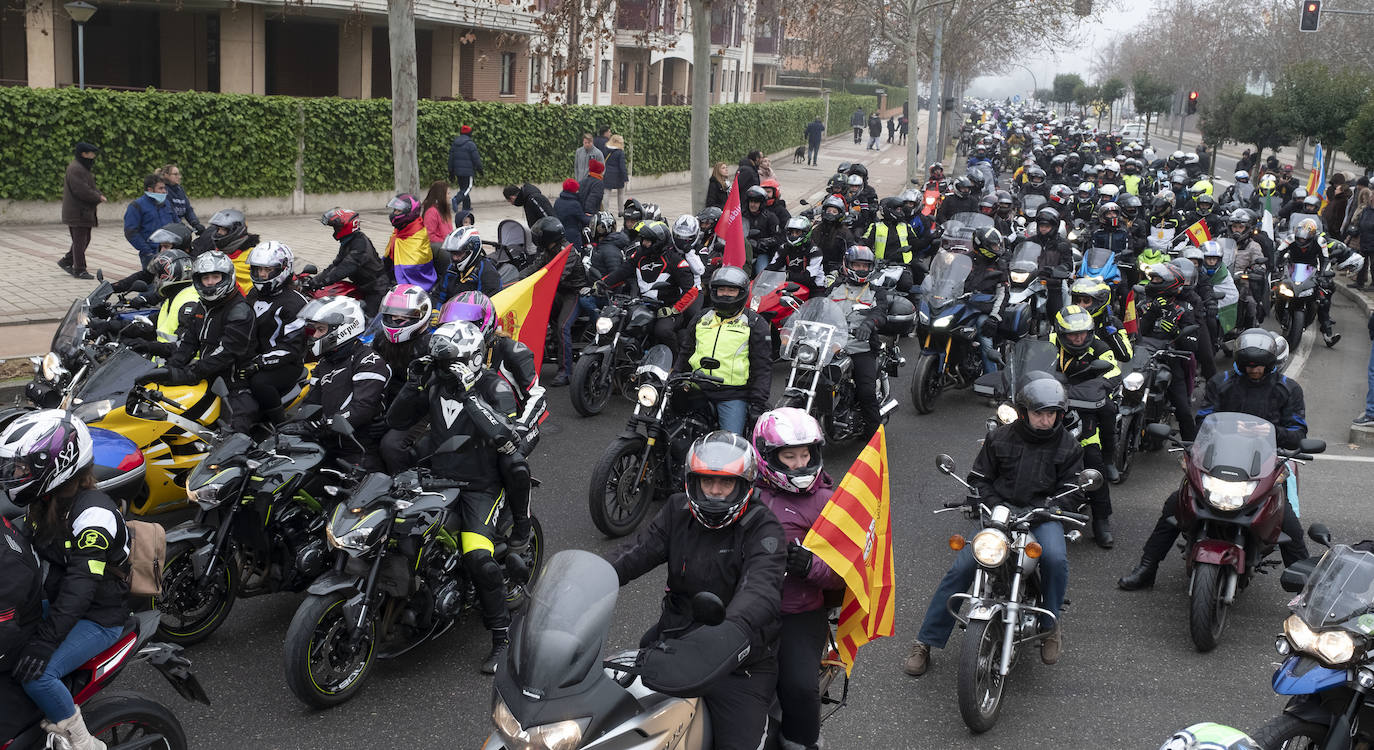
(473, 542)
(1093, 439)
(97, 567)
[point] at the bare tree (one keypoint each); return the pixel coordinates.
(404, 96)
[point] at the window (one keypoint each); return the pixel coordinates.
(582, 82)
(605, 76)
(639, 78)
(714, 68)
(624, 78)
(536, 73)
(507, 73)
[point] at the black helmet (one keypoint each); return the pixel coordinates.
(547, 233)
(656, 234)
(230, 228)
(891, 209)
(1040, 391)
(988, 242)
(633, 212)
(1162, 203)
(756, 193)
(708, 217)
(1256, 346)
(1166, 280)
(857, 254)
(1130, 205)
(170, 267)
(859, 169)
(732, 277)
(1071, 320)
(963, 186)
(1048, 216)
(176, 234)
(1206, 204)
(978, 181)
(987, 205)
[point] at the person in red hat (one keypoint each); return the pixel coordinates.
(591, 189)
(568, 208)
(464, 163)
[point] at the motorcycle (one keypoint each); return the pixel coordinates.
(259, 529)
(622, 327)
(1029, 355)
(645, 461)
(957, 233)
(1230, 509)
(1328, 663)
(343, 288)
(1101, 262)
(1142, 398)
(397, 581)
(1028, 296)
(1296, 298)
(775, 298)
(1005, 602)
(76, 349)
(948, 326)
(1256, 278)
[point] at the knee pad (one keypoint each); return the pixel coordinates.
(483, 569)
(515, 472)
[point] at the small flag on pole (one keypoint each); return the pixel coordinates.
(1199, 233)
(730, 228)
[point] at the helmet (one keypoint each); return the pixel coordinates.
(1268, 182)
(835, 202)
(686, 232)
(405, 208)
(1206, 204)
(343, 221)
(1040, 391)
(1178, 178)
(1240, 216)
(547, 233)
(270, 267)
(1176, 157)
(405, 311)
(1110, 165)
(770, 189)
(176, 234)
(170, 267)
(1281, 344)
(1166, 280)
(1060, 195)
(987, 205)
(1212, 256)
(1187, 267)
(963, 186)
(1047, 216)
(230, 228)
(40, 451)
(798, 231)
(1311, 204)
(1090, 171)
(656, 234)
(1199, 188)
(603, 223)
(1162, 203)
(788, 427)
(732, 277)
(708, 217)
(1191, 159)
(471, 307)
(1130, 205)
(835, 184)
(853, 183)
(1035, 176)
(213, 262)
(1071, 320)
(633, 212)
(1092, 294)
(1306, 231)
(464, 246)
(1242, 175)
(1059, 160)
(1209, 736)
(1005, 202)
(458, 343)
(936, 167)
(855, 255)
(331, 322)
(891, 208)
(1109, 215)
(1299, 193)
(724, 455)
(1131, 166)
(988, 241)
(977, 179)
(757, 193)
(857, 169)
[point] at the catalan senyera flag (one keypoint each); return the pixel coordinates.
(853, 535)
(523, 307)
(730, 228)
(1198, 233)
(1129, 320)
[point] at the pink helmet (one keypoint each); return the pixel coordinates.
(405, 310)
(788, 427)
(473, 307)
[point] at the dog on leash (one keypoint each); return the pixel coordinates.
(799, 155)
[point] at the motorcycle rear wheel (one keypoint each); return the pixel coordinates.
(119, 718)
(192, 612)
(617, 501)
(1207, 612)
(589, 388)
(1286, 732)
(315, 642)
(980, 686)
(925, 383)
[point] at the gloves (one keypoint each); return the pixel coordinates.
(311, 284)
(247, 371)
(32, 661)
(296, 428)
(599, 288)
(585, 291)
(864, 330)
(799, 560)
(158, 375)
(667, 311)
(466, 376)
(989, 327)
(1168, 326)
(416, 371)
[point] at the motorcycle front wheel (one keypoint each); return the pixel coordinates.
(323, 666)
(980, 685)
(122, 719)
(1207, 611)
(1127, 443)
(1296, 322)
(1288, 732)
(925, 383)
(589, 387)
(620, 489)
(192, 611)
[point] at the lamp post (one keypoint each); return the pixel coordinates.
(81, 12)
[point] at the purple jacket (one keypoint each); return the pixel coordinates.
(797, 513)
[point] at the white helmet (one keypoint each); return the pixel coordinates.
(686, 232)
(213, 262)
(270, 266)
(405, 311)
(41, 450)
(331, 322)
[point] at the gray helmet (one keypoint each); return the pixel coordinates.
(459, 342)
(1040, 391)
(1256, 346)
(213, 262)
(1187, 269)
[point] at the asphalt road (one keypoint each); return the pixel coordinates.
(1129, 676)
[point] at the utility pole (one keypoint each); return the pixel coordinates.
(700, 165)
(404, 95)
(913, 78)
(936, 91)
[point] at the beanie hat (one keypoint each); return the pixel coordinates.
(570, 185)
(465, 130)
(596, 167)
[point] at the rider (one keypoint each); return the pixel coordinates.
(1163, 317)
(46, 460)
(1079, 351)
(739, 340)
(357, 261)
(716, 512)
(1095, 296)
(468, 268)
(1251, 386)
(1022, 464)
(891, 236)
(761, 227)
(1312, 246)
(174, 236)
(800, 259)
(1056, 257)
(793, 484)
(170, 270)
(987, 282)
(1253, 248)
(548, 239)
(660, 272)
(1108, 231)
(228, 233)
(832, 236)
(217, 344)
(279, 353)
(854, 293)
(404, 316)
(462, 397)
(962, 200)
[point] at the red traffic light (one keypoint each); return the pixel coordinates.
(1311, 15)
(1311, 7)
(1192, 96)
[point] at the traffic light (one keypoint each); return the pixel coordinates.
(1311, 14)
(1192, 103)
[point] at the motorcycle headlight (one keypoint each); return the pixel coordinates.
(990, 548)
(1133, 382)
(1019, 277)
(943, 321)
(206, 495)
(358, 537)
(560, 735)
(1006, 413)
(1285, 290)
(604, 326)
(51, 368)
(1332, 647)
(94, 411)
(1227, 495)
(647, 395)
(807, 354)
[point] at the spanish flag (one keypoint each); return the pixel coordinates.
(523, 307)
(853, 535)
(1129, 323)
(730, 227)
(1199, 233)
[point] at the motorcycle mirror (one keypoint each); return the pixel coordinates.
(945, 464)
(1312, 445)
(1158, 430)
(310, 269)
(707, 608)
(1090, 479)
(341, 427)
(99, 274)
(1318, 533)
(709, 363)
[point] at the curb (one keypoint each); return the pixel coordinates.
(1359, 434)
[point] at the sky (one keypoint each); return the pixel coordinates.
(1118, 19)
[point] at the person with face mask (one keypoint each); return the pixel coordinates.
(147, 214)
(80, 197)
(739, 340)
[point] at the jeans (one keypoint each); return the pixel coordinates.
(760, 263)
(985, 346)
(1369, 394)
(1054, 582)
(567, 307)
(590, 305)
(873, 142)
(732, 416)
(813, 154)
(85, 640)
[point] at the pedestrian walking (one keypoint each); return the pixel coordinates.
(857, 121)
(875, 131)
(464, 164)
(903, 127)
(891, 127)
(584, 155)
(1367, 419)
(149, 213)
(80, 197)
(617, 176)
(528, 197)
(814, 130)
(718, 187)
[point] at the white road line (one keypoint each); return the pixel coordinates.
(885, 160)
(1352, 459)
(1304, 352)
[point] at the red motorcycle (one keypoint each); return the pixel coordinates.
(775, 298)
(121, 719)
(1230, 510)
(343, 288)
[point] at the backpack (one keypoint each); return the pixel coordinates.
(147, 554)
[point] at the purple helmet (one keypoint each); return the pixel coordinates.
(40, 451)
(788, 427)
(473, 307)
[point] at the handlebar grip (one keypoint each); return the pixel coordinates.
(441, 484)
(955, 503)
(1082, 517)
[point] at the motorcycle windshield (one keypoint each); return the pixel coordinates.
(815, 333)
(558, 642)
(72, 326)
(763, 284)
(1032, 203)
(1235, 447)
(1228, 250)
(1340, 591)
(658, 361)
(1026, 257)
(1301, 272)
(1096, 259)
(236, 444)
(948, 272)
(985, 169)
(114, 377)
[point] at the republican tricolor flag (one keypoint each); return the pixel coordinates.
(730, 228)
(853, 535)
(523, 307)
(1199, 233)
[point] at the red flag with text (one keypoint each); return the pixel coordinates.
(523, 307)
(731, 228)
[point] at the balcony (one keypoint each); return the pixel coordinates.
(656, 16)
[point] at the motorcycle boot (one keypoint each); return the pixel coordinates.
(1143, 577)
(500, 643)
(1102, 531)
(918, 661)
(1052, 647)
(1329, 335)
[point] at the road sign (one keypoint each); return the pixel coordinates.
(1016, 98)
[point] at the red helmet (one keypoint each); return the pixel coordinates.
(343, 221)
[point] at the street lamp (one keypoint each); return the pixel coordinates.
(81, 12)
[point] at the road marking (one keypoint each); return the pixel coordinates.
(1304, 351)
(898, 162)
(884, 160)
(1352, 459)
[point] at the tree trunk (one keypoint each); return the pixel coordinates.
(701, 105)
(404, 92)
(1146, 137)
(574, 52)
(913, 87)
(932, 130)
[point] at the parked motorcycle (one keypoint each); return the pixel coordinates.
(947, 324)
(1005, 602)
(1230, 509)
(645, 461)
(622, 327)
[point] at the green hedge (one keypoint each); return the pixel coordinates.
(246, 146)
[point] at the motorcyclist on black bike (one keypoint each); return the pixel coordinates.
(278, 361)
(469, 268)
(800, 259)
(853, 292)
(987, 282)
(1312, 246)
(1095, 296)
(1056, 256)
(1251, 386)
(1163, 316)
(653, 262)
(962, 200)
(1079, 348)
(719, 511)
(832, 235)
(739, 340)
(1254, 249)
(170, 271)
(357, 261)
(175, 236)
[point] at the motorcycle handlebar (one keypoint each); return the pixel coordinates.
(438, 483)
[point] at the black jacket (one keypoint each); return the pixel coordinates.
(535, 204)
(279, 336)
(219, 342)
(761, 231)
(956, 204)
(760, 360)
(21, 594)
(89, 564)
(357, 261)
(1023, 471)
(1275, 399)
(398, 358)
(486, 414)
(350, 383)
(609, 254)
(569, 210)
(802, 265)
(746, 176)
(780, 212)
(833, 238)
(987, 279)
(463, 159)
(648, 268)
(742, 563)
(716, 194)
(483, 277)
(590, 192)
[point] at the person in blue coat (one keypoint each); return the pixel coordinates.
(464, 163)
(149, 213)
(568, 208)
(814, 130)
